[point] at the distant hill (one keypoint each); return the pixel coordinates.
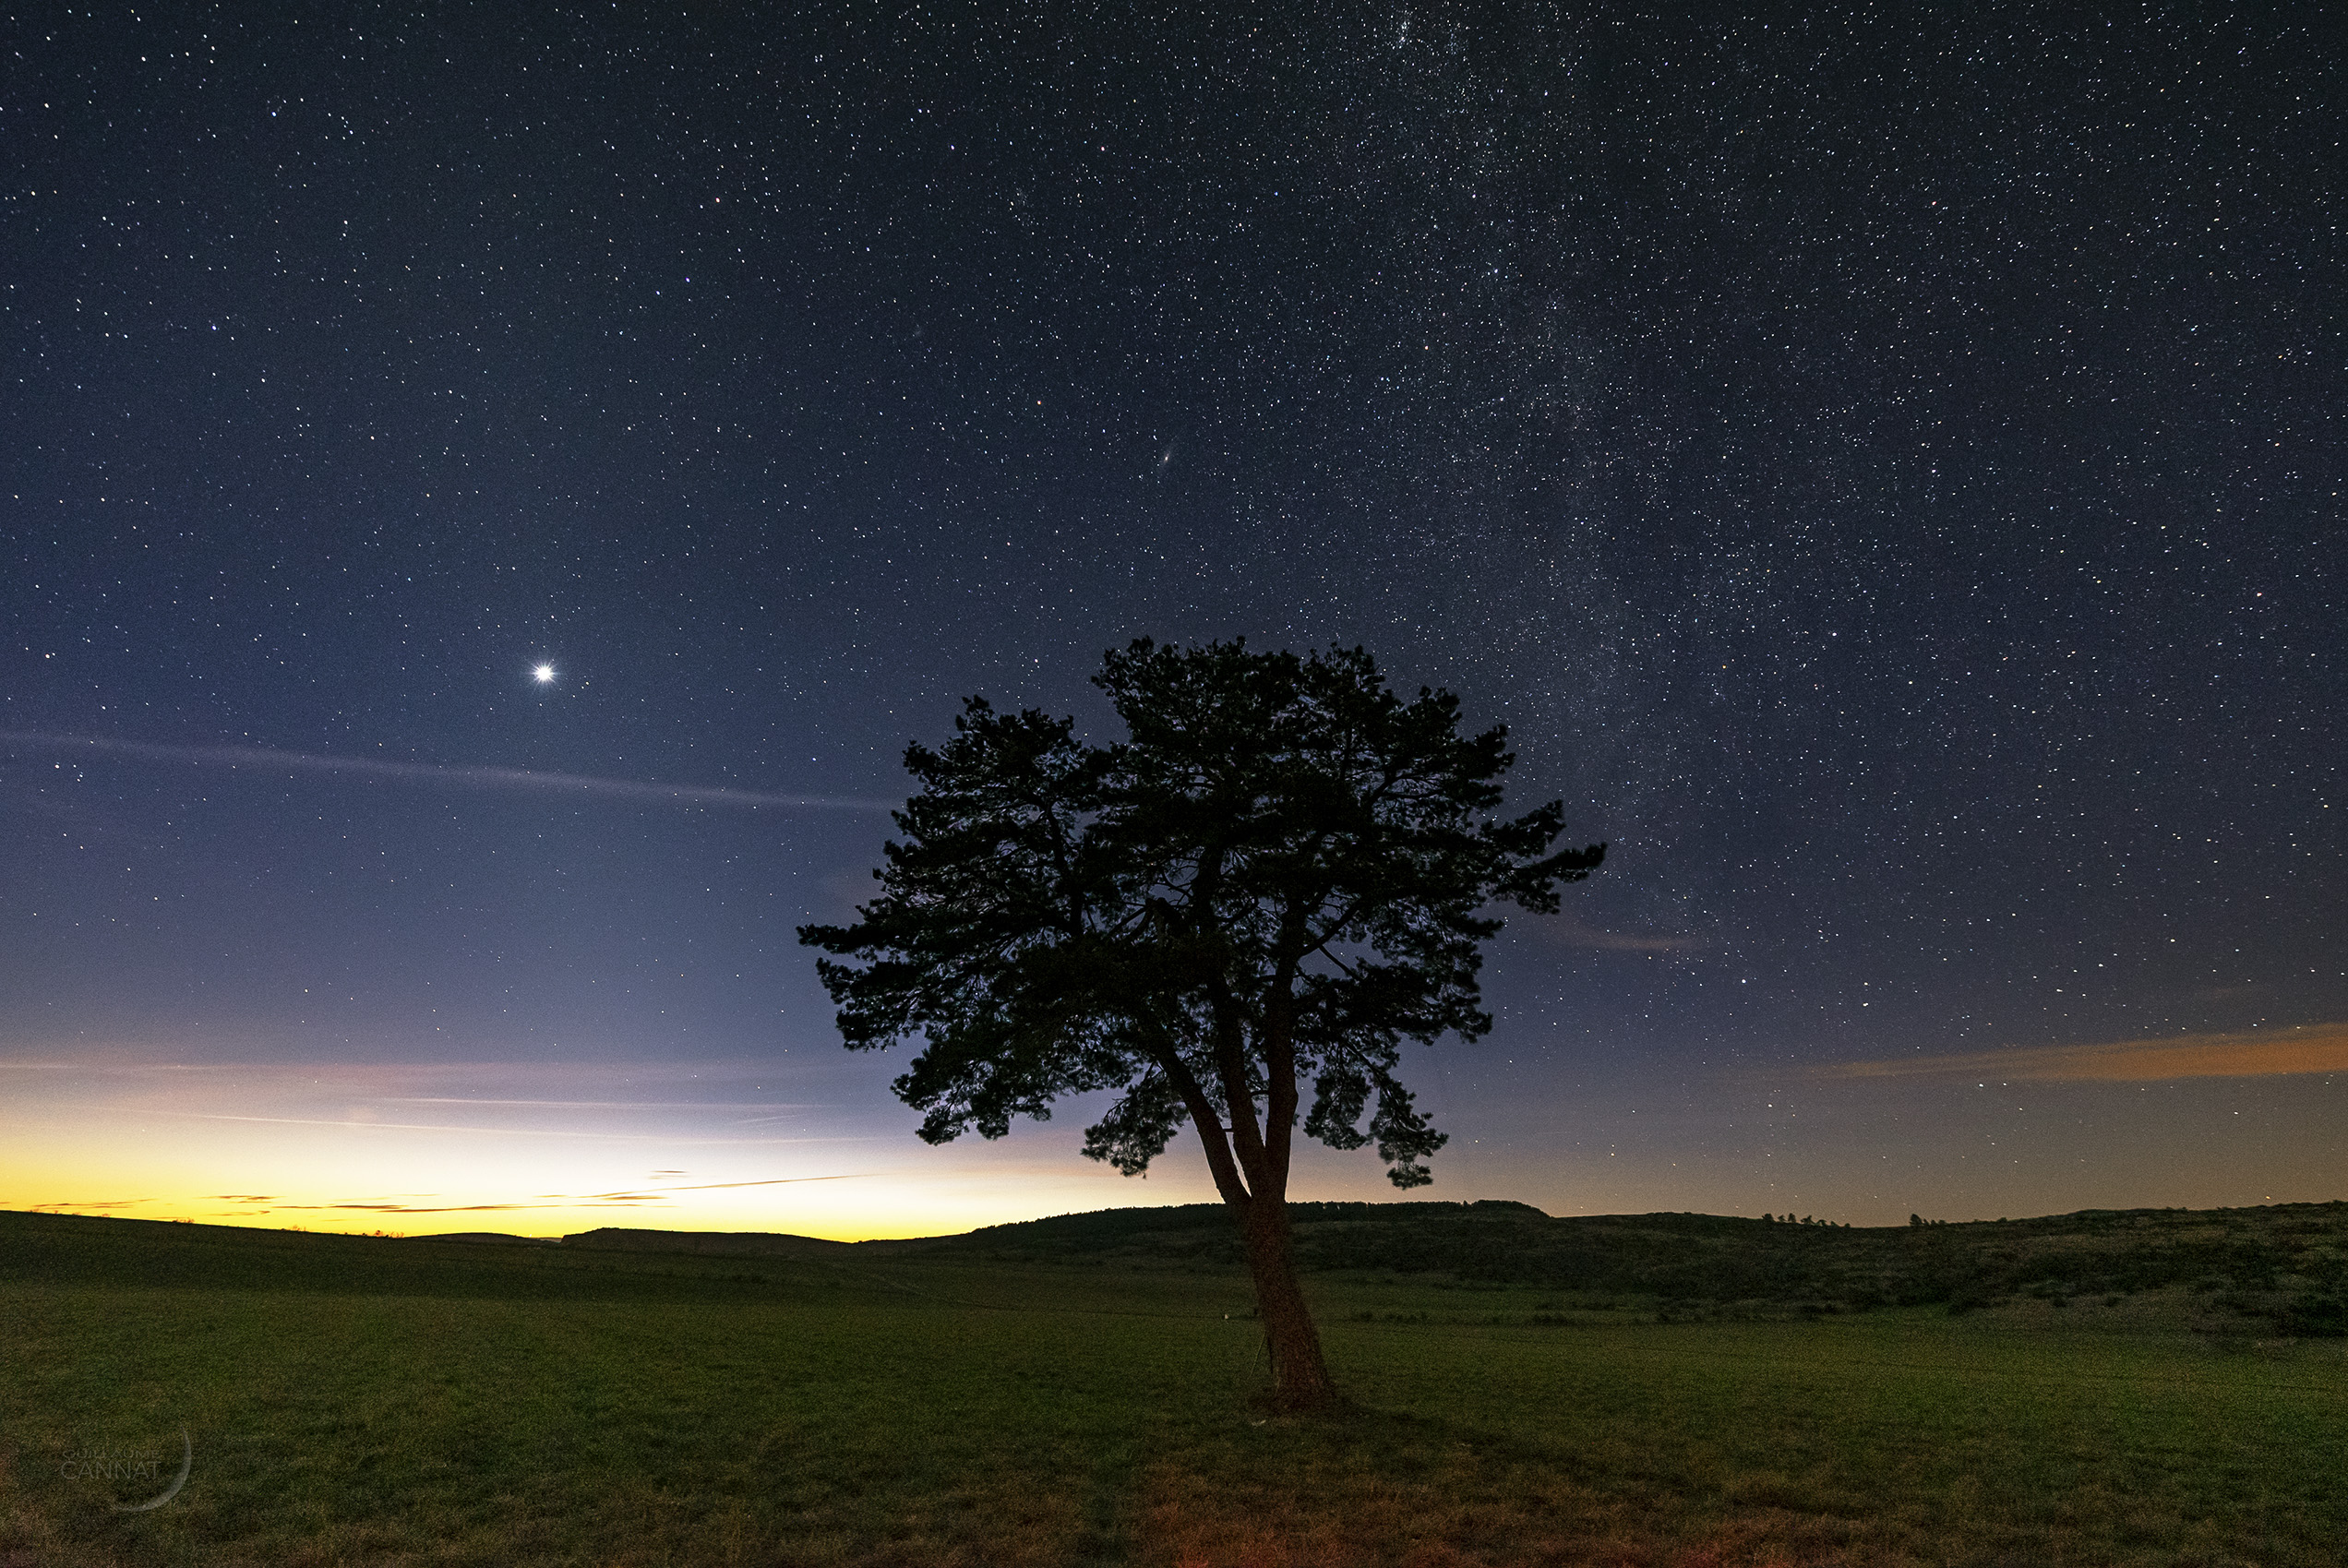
(709, 1243)
(2287, 1262)
(2283, 1268)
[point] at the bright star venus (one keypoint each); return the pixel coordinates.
(544, 675)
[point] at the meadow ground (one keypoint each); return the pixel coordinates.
(361, 1401)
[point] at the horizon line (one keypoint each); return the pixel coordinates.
(230, 1220)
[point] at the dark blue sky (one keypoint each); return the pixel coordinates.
(1885, 471)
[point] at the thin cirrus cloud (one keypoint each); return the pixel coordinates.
(602, 1105)
(590, 1200)
(363, 1124)
(405, 1205)
(258, 756)
(352, 1097)
(1565, 929)
(2262, 1053)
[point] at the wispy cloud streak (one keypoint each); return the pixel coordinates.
(2259, 1053)
(258, 756)
(604, 1104)
(624, 1199)
(350, 1124)
(1567, 930)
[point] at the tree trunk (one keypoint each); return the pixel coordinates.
(1301, 1378)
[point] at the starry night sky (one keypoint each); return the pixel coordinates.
(1884, 466)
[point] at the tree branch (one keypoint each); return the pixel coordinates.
(1218, 1143)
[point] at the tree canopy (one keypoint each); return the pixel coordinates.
(1282, 874)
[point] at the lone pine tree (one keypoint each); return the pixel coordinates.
(1282, 874)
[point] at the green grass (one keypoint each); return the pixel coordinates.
(374, 1402)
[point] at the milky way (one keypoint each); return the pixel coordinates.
(1885, 472)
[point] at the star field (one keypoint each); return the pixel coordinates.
(1885, 472)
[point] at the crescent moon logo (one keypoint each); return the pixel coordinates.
(187, 1463)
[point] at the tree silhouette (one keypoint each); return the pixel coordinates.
(1281, 875)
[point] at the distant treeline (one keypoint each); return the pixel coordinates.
(2288, 1263)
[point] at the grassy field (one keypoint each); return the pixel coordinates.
(355, 1401)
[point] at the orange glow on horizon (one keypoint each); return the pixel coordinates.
(526, 1149)
(2262, 1053)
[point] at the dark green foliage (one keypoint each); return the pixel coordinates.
(2316, 1315)
(2318, 1306)
(1279, 876)
(2283, 1262)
